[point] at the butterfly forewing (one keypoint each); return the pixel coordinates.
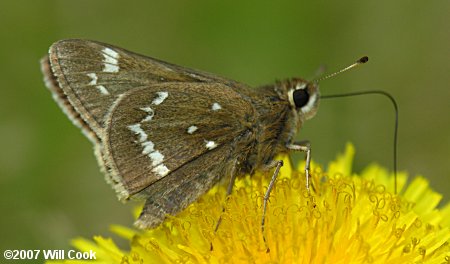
(155, 130)
(92, 75)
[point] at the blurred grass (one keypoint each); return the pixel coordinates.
(50, 184)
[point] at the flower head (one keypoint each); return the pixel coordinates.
(346, 218)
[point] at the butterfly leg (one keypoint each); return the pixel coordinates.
(229, 190)
(277, 164)
(303, 146)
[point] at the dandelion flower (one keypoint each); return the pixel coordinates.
(346, 218)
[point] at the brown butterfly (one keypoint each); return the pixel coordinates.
(167, 134)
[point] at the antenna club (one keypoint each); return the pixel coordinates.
(363, 60)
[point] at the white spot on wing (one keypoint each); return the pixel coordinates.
(216, 106)
(111, 53)
(161, 170)
(111, 68)
(93, 77)
(102, 89)
(161, 97)
(136, 128)
(210, 144)
(146, 109)
(149, 149)
(110, 60)
(192, 129)
(148, 146)
(150, 115)
(156, 157)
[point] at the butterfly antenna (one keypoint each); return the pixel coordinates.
(357, 63)
(380, 92)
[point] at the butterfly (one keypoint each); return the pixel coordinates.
(166, 134)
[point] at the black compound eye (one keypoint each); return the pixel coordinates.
(301, 97)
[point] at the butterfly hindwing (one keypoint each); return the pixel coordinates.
(171, 194)
(156, 130)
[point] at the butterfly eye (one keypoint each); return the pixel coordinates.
(301, 97)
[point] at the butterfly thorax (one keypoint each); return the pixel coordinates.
(276, 123)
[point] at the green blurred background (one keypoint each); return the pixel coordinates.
(51, 188)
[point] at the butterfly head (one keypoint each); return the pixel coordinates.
(303, 96)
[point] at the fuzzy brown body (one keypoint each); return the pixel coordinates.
(272, 124)
(165, 133)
